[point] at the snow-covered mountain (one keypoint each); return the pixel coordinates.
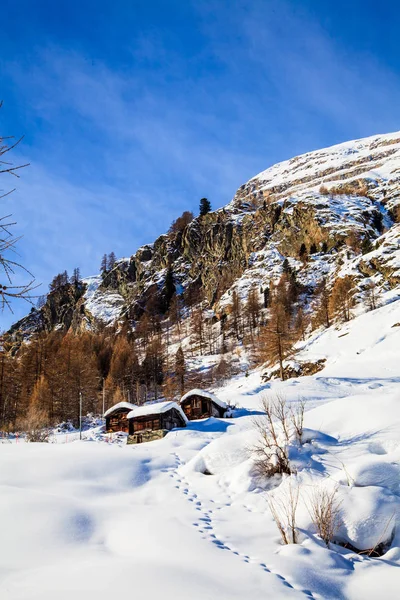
(339, 206)
(189, 516)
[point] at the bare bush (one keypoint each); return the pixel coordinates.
(280, 424)
(324, 510)
(283, 509)
(297, 419)
(35, 425)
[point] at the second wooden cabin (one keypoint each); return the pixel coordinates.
(157, 416)
(198, 404)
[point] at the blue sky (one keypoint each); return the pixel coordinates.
(134, 110)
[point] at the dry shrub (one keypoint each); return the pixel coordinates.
(35, 425)
(283, 509)
(324, 510)
(276, 429)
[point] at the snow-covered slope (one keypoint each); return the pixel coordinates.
(93, 520)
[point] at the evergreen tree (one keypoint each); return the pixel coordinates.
(366, 245)
(303, 252)
(205, 206)
(286, 267)
(103, 265)
(111, 259)
(266, 294)
(169, 290)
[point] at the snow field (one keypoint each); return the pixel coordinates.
(95, 520)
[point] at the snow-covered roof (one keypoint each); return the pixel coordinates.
(156, 408)
(198, 392)
(119, 405)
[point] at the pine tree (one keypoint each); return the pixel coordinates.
(205, 206)
(103, 265)
(168, 290)
(266, 294)
(286, 266)
(303, 252)
(111, 259)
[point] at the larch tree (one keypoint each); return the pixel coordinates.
(278, 335)
(180, 369)
(371, 295)
(9, 290)
(276, 339)
(342, 297)
(181, 222)
(197, 330)
(76, 277)
(235, 309)
(253, 308)
(322, 311)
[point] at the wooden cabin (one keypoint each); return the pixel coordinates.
(156, 416)
(116, 417)
(198, 404)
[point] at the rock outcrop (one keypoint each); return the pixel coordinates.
(319, 211)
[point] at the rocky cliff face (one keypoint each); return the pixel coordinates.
(318, 210)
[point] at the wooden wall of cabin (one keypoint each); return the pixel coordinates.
(117, 422)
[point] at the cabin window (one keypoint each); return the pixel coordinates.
(204, 406)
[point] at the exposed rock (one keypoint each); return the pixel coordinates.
(297, 369)
(272, 217)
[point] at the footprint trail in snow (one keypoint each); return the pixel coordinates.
(206, 526)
